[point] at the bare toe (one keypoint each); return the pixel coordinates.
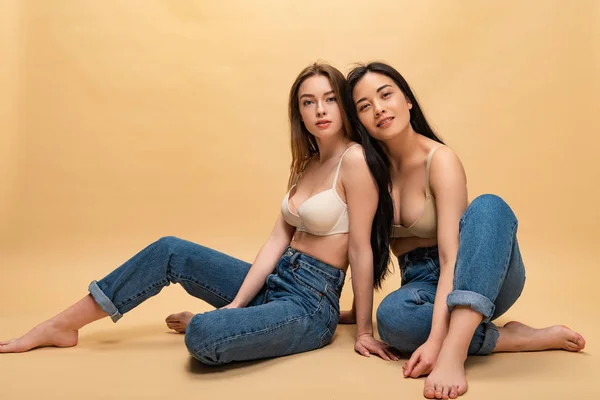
(178, 322)
(438, 391)
(445, 392)
(13, 346)
(429, 391)
(453, 392)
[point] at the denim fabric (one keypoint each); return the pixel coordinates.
(296, 311)
(489, 277)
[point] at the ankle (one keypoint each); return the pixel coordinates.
(60, 324)
(455, 349)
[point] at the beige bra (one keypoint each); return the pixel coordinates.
(323, 214)
(426, 225)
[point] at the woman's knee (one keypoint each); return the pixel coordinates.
(200, 340)
(393, 318)
(168, 243)
(491, 205)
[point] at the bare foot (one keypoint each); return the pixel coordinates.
(515, 336)
(448, 378)
(43, 335)
(178, 322)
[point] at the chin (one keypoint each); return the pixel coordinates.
(329, 133)
(388, 134)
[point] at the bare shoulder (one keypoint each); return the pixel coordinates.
(354, 160)
(446, 169)
(445, 159)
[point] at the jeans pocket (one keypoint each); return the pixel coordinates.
(310, 280)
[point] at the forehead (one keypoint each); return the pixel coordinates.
(369, 83)
(315, 85)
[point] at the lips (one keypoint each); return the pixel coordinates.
(385, 122)
(323, 123)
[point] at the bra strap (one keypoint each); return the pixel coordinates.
(337, 172)
(429, 157)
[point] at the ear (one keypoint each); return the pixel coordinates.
(408, 102)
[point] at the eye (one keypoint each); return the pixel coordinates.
(363, 107)
(331, 99)
(386, 95)
(306, 102)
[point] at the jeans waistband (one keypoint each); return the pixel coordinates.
(419, 253)
(325, 269)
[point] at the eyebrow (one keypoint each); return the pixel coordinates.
(378, 90)
(312, 95)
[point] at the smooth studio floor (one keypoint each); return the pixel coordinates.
(140, 358)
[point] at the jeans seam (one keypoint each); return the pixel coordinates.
(166, 282)
(205, 287)
(266, 329)
(143, 292)
(327, 332)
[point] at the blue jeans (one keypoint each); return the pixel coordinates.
(489, 277)
(296, 311)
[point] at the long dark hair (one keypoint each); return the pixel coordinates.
(378, 163)
(304, 146)
(381, 230)
(417, 118)
(377, 158)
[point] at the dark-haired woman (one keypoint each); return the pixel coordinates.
(461, 264)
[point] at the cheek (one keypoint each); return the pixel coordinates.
(366, 121)
(304, 115)
(406, 115)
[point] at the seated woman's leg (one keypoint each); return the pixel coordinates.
(404, 319)
(301, 313)
(203, 272)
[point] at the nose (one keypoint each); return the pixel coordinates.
(377, 109)
(320, 110)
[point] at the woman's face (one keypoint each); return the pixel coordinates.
(319, 107)
(381, 106)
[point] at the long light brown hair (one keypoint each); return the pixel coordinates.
(303, 143)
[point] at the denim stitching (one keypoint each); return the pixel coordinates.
(318, 271)
(143, 292)
(162, 282)
(205, 287)
(305, 284)
(328, 334)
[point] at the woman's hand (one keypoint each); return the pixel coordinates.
(366, 345)
(233, 304)
(422, 360)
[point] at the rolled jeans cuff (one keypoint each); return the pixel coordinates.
(490, 339)
(104, 302)
(473, 300)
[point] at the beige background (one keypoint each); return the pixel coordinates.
(125, 121)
